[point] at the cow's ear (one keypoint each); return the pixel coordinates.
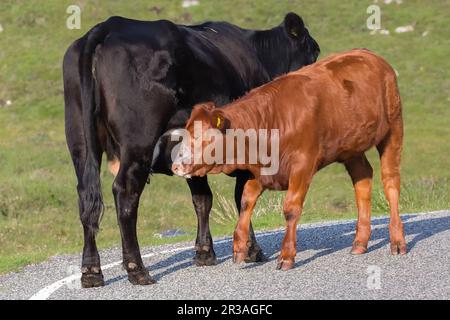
(218, 121)
(294, 25)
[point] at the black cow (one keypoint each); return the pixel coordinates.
(127, 82)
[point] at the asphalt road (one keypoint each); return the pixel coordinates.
(324, 269)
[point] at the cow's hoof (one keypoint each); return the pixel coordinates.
(398, 248)
(255, 254)
(205, 258)
(358, 248)
(140, 277)
(239, 257)
(285, 264)
(91, 277)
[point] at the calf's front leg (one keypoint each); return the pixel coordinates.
(293, 205)
(252, 190)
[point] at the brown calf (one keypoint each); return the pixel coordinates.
(332, 111)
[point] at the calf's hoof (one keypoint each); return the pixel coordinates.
(398, 248)
(239, 257)
(205, 258)
(358, 248)
(91, 277)
(138, 275)
(285, 264)
(255, 254)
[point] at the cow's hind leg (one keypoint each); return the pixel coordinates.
(127, 189)
(91, 273)
(255, 253)
(202, 200)
(390, 153)
(90, 266)
(361, 173)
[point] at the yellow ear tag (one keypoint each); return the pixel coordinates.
(218, 122)
(294, 33)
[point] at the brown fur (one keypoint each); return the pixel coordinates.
(331, 111)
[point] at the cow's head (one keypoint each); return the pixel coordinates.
(287, 47)
(204, 128)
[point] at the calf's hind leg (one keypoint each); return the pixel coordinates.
(390, 153)
(361, 173)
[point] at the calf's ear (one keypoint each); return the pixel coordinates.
(218, 121)
(209, 106)
(294, 25)
(205, 106)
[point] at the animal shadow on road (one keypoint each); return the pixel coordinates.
(321, 239)
(327, 239)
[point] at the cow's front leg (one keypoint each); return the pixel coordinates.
(202, 200)
(255, 253)
(241, 243)
(127, 189)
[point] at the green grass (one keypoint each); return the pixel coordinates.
(38, 203)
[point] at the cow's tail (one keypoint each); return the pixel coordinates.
(91, 195)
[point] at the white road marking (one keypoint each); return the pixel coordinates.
(47, 291)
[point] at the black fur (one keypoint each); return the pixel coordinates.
(126, 82)
(92, 200)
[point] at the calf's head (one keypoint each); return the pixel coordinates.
(202, 145)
